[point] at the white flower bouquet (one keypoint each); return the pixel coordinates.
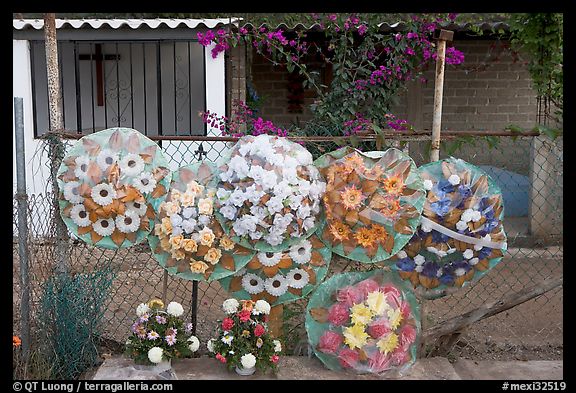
(111, 184)
(269, 193)
(188, 240)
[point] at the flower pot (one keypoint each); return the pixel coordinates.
(245, 371)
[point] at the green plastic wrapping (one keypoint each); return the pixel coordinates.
(461, 236)
(188, 241)
(269, 193)
(282, 277)
(364, 322)
(373, 202)
(111, 184)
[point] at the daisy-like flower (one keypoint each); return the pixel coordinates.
(388, 343)
(297, 278)
(352, 197)
(152, 335)
(355, 336)
(144, 182)
(365, 237)
(131, 165)
(227, 339)
(104, 226)
(252, 283)
(129, 222)
(79, 215)
(390, 206)
(339, 230)
(139, 208)
(81, 170)
(171, 340)
(269, 259)
(393, 185)
(71, 193)
(106, 158)
(361, 314)
(301, 252)
(277, 285)
(103, 194)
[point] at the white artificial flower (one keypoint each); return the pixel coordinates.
(269, 180)
(210, 345)
(104, 226)
(237, 198)
(144, 182)
(142, 309)
(419, 268)
(175, 309)
(308, 223)
(258, 211)
(282, 189)
(301, 252)
(253, 195)
(204, 220)
(228, 211)
(103, 194)
(454, 179)
(261, 307)
(426, 227)
(256, 172)
(256, 235)
(176, 220)
(248, 360)
(467, 215)
(428, 185)
(106, 158)
(155, 354)
(223, 194)
(473, 261)
(188, 225)
(227, 176)
(79, 215)
(81, 170)
(290, 162)
(276, 285)
(274, 204)
(188, 212)
(194, 343)
(71, 192)
(461, 225)
(227, 339)
(290, 174)
(460, 271)
(277, 345)
(419, 259)
(252, 283)
(230, 306)
(303, 211)
(273, 238)
(317, 189)
(139, 208)
(276, 159)
(239, 165)
(131, 165)
(401, 254)
(297, 278)
(304, 187)
(476, 216)
(304, 157)
(468, 254)
(271, 260)
(129, 222)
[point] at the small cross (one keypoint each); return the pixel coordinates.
(99, 70)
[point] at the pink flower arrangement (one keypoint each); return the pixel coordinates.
(330, 342)
(338, 314)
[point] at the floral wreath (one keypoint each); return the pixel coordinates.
(268, 196)
(461, 235)
(373, 202)
(111, 183)
(282, 277)
(364, 322)
(188, 240)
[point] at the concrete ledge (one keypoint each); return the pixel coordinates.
(510, 370)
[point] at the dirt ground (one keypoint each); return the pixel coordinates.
(530, 331)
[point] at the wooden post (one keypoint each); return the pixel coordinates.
(275, 320)
(445, 35)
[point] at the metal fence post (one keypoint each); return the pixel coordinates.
(22, 198)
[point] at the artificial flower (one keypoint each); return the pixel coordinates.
(268, 258)
(340, 231)
(227, 339)
(81, 170)
(142, 309)
(104, 226)
(355, 336)
(131, 165)
(194, 343)
(365, 237)
(106, 158)
(297, 278)
(379, 327)
(361, 315)
(155, 354)
(252, 283)
(259, 330)
(230, 306)
(277, 345)
(213, 255)
(393, 185)
(80, 216)
(388, 343)
(129, 222)
(227, 323)
(329, 342)
(338, 314)
(351, 197)
(71, 192)
(198, 267)
(206, 236)
(261, 307)
(377, 302)
(248, 360)
(276, 285)
(301, 253)
(348, 358)
(144, 182)
(139, 208)
(226, 243)
(175, 309)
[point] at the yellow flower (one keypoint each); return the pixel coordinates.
(339, 230)
(159, 232)
(156, 303)
(213, 256)
(194, 188)
(166, 225)
(171, 208)
(178, 254)
(176, 241)
(365, 237)
(355, 336)
(259, 342)
(395, 317)
(205, 206)
(175, 195)
(388, 343)
(361, 315)
(187, 199)
(226, 243)
(189, 245)
(206, 237)
(245, 333)
(377, 302)
(165, 243)
(352, 197)
(393, 185)
(211, 193)
(198, 266)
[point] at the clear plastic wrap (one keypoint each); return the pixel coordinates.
(364, 322)
(373, 202)
(282, 277)
(111, 184)
(268, 196)
(188, 240)
(461, 236)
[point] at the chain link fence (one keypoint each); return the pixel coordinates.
(528, 169)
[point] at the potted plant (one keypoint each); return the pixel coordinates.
(243, 342)
(159, 335)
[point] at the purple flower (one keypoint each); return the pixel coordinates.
(171, 340)
(243, 30)
(152, 335)
(410, 52)
(454, 56)
(362, 29)
(430, 269)
(332, 17)
(441, 207)
(134, 327)
(292, 43)
(411, 35)
(452, 16)
(406, 264)
(160, 319)
(398, 36)
(143, 318)
(188, 328)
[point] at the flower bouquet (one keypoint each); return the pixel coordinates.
(373, 202)
(159, 336)
(111, 183)
(461, 235)
(366, 322)
(243, 340)
(268, 197)
(188, 240)
(282, 277)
